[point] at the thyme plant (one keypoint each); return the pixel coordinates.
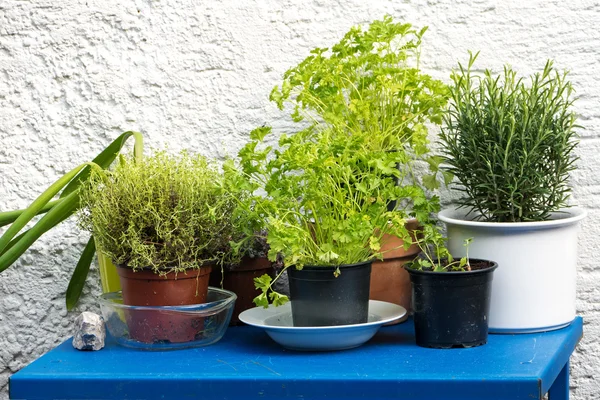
(510, 142)
(167, 213)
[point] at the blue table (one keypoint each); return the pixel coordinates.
(247, 365)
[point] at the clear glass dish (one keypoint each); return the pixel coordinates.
(168, 327)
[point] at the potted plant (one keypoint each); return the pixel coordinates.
(451, 298)
(510, 143)
(163, 221)
(15, 240)
(370, 83)
(238, 277)
(325, 214)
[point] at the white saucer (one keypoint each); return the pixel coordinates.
(277, 322)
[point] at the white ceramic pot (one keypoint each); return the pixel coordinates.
(534, 287)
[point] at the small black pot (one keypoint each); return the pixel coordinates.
(451, 308)
(320, 299)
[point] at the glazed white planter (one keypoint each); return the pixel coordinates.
(534, 287)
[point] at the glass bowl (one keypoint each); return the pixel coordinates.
(168, 327)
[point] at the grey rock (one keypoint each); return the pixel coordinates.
(90, 331)
(282, 284)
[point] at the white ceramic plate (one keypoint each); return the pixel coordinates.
(277, 322)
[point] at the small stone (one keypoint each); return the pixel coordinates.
(90, 331)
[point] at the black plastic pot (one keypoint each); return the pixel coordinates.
(451, 308)
(320, 299)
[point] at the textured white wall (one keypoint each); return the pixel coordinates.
(197, 74)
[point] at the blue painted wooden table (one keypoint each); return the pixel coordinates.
(247, 365)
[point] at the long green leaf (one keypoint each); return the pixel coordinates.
(56, 215)
(80, 273)
(8, 217)
(106, 158)
(17, 238)
(37, 205)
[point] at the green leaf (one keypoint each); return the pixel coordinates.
(106, 158)
(361, 187)
(35, 207)
(53, 217)
(263, 282)
(261, 300)
(448, 176)
(8, 217)
(80, 273)
(260, 133)
(434, 163)
(278, 299)
(430, 182)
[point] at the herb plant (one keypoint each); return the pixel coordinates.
(434, 255)
(326, 199)
(510, 142)
(326, 188)
(370, 83)
(167, 213)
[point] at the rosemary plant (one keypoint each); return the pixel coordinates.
(510, 142)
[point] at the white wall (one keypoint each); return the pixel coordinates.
(197, 74)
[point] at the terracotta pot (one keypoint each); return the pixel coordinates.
(145, 288)
(240, 280)
(393, 247)
(389, 280)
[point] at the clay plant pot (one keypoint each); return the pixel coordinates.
(392, 246)
(239, 279)
(145, 288)
(389, 280)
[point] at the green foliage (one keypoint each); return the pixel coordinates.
(167, 213)
(324, 198)
(370, 84)
(324, 192)
(434, 254)
(55, 212)
(510, 144)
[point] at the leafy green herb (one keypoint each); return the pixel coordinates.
(434, 253)
(325, 191)
(167, 213)
(370, 84)
(511, 142)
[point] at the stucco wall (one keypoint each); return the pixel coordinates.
(197, 74)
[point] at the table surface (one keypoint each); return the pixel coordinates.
(247, 364)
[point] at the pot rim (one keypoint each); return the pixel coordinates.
(112, 299)
(332, 267)
(465, 273)
(149, 269)
(564, 217)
